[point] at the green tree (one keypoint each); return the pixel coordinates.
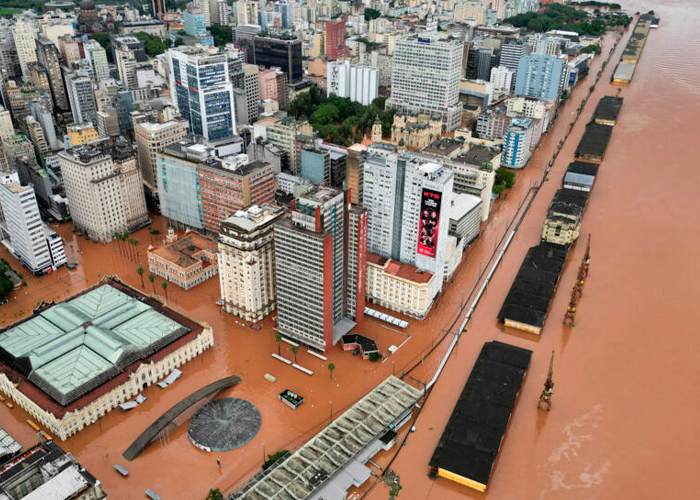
(278, 339)
(221, 34)
(372, 14)
(295, 349)
(152, 279)
(140, 271)
(153, 45)
(215, 494)
(165, 289)
(331, 367)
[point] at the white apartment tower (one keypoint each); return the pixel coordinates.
(97, 57)
(104, 189)
(152, 138)
(24, 226)
(425, 77)
(502, 79)
(24, 35)
(358, 83)
(247, 262)
(81, 96)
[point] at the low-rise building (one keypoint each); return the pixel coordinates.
(127, 339)
(399, 287)
(580, 175)
(81, 133)
(45, 471)
(247, 262)
(415, 131)
(186, 261)
(562, 224)
(465, 216)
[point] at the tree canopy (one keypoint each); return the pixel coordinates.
(558, 17)
(372, 14)
(222, 34)
(153, 44)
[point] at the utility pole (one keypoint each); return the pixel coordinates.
(548, 389)
(577, 291)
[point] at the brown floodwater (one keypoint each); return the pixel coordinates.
(623, 421)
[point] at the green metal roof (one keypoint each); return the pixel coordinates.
(75, 346)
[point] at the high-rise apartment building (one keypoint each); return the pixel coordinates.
(356, 270)
(492, 124)
(539, 76)
(511, 53)
(281, 51)
(200, 191)
(48, 57)
(80, 95)
(354, 177)
(425, 77)
(36, 135)
(8, 54)
(335, 40)
(358, 83)
(501, 79)
(38, 78)
(97, 57)
(24, 35)
(247, 262)
(128, 52)
(195, 21)
(104, 189)
(251, 89)
(311, 266)
(201, 89)
(24, 226)
(516, 150)
(405, 197)
(283, 135)
(246, 12)
(151, 138)
(7, 130)
(157, 8)
(316, 165)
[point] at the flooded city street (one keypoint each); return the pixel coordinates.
(623, 422)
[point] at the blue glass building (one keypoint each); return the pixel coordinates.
(539, 76)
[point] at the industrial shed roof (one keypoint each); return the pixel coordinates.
(594, 141)
(608, 108)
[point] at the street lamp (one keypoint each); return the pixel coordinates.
(331, 404)
(264, 455)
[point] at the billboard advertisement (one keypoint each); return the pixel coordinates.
(429, 222)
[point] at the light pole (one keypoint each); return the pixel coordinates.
(264, 455)
(331, 404)
(392, 366)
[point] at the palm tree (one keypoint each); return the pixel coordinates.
(295, 349)
(278, 339)
(165, 289)
(118, 236)
(215, 495)
(140, 271)
(135, 244)
(331, 367)
(152, 278)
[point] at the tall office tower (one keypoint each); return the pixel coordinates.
(358, 218)
(157, 8)
(224, 12)
(195, 21)
(335, 40)
(36, 135)
(282, 89)
(511, 54)
(501, 79)
(107, 123)
(247, 262)
(199, 190)
(8, 55)
(539, 76)
(48, 57)
(283, 135)
(311, 269)
(246, 12)
(128, 52)
(24, 226)
(7, 130)
(97, 57)
(286, 11)
(24, 35)
(104, 189)
(282, 51)
(359, 83)
(516, 151)
(201, 89)
(267, 81)
(251, 87)
(354, 176)
(425, 78)
(487, 59)
(405, 196)
(80, 96)
(204, 5)
(151, 138)
(39, 79)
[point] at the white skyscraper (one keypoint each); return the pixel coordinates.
(502, 79)
(97, 57)
(24, 35)
(425, 77)
(407, 199)
(359, 83)
(81, 96)
(24, 226)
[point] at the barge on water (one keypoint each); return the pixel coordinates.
(633, 51)
(469, 446)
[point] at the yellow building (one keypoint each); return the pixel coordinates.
(562, 225)
(400, 287)
(415, 131)
(83, 133)
(187, 261)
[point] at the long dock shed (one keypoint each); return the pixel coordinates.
(593, 143)
(607, 110)
(467, 450)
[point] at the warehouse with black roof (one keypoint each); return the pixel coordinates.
(607, 110)
(594, 143)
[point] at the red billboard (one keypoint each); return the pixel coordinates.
(429, 222)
